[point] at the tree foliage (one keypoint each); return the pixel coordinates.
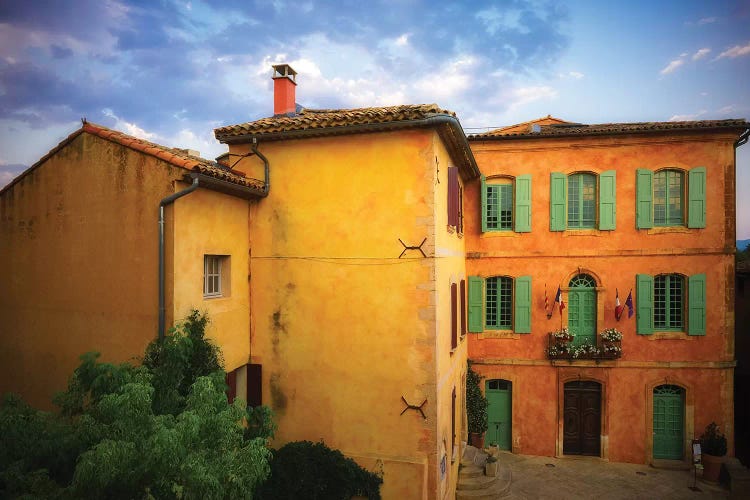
(313, 471)
(160, 430)
(476, 403)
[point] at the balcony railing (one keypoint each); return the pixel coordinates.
(562, 347)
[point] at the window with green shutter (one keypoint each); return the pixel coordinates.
(522, 305)
(476, 297)
(669, 187)
(669, 296)
(644, 300)
(506, 204)
(607, 200)
(670, 198)
(697, 304)
(581, 201)
(661, 303)
(498, 303)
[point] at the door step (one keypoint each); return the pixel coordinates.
(474, 484)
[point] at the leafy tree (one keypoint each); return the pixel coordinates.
(159, 430)
(476, 403)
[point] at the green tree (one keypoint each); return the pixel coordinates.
(163, 429)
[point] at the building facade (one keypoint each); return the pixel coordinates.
(605, 214)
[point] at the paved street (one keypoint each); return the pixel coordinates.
(580, 478)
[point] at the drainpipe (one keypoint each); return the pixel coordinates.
(164, 202)
(267, 179)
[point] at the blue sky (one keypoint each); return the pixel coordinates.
(171, 71)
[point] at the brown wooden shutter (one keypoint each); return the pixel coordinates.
(454, 314)
(462, 292)
(231, 380)
(254, 385)
(460, 204)
(453, 421)
(453, 196)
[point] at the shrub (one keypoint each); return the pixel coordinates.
(313, 471)
(476, 403)
(713, 442)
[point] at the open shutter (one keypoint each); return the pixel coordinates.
(697, 304)
(462, 293)
(484, 204)
(476, 321)
(644, 299)
(522, 310)
(523, 204)
(697, 197)
(644, 217)
(454, 316)
(453, 196)
(557, 202)
(607, 199)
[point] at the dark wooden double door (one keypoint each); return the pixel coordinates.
(582, 416)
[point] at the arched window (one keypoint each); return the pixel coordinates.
(669, 191)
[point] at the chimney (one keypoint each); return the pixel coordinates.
(284, 89)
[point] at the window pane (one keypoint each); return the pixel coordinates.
(506, 206)
(588, 209)
(675, 304)
(674, 216)
(574, 201)
(668, 198)
(493, 194)
(660, 302)
(491, 302)
(505, 302)
(668, 302)
(660, 198)
(499, 211)
(582, 200)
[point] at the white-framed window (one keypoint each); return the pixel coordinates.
(212, 274)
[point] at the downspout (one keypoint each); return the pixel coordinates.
(267, 179)
(164, 202)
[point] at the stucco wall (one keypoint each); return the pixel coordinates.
(78, 257)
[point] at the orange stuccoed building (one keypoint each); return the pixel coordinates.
(567, 222)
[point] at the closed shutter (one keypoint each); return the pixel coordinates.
(453, 196)
(254, 385)
(607, 200)
(462, 292)
(644, 299)
(697, 197)
(454, 316)
(557, 202)
(523, 204)
(644, 218)
(522, 309)
(697, 304)
(484, 204)
(476, 321)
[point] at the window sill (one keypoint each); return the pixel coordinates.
(215, 297)
(496, 234)
(669, 230)
(671, 336)
(499, 334)
(583, 232)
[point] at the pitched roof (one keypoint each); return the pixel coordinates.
(310, 119)
(174, 156)
(578, 129)
(526, 126)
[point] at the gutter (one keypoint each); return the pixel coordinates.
(456, 140)
(208, 182)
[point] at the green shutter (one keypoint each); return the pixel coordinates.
(607, 199)
(522, 308)
(523, 204)
(484, 204)
(644, 218)
(644, 300)
(557, 202)
(476, 298)
(697, 197)
(697, 304)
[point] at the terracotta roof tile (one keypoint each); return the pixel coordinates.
(309, 119)
(611, 128)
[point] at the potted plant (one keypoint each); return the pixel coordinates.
(476, 408)
(490, 466)
(713, 449)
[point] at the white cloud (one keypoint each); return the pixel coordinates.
(700, 54)
(727, 110)
(505, 20)
(706, 20)
(454, 77)
(736, 51)
(672, 66)
(687, 117)
(403, 40)
(575, 75)
(522, 96)
(128, 127)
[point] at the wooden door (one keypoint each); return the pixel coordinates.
(499, 413)
(668, 422)
(582, 419)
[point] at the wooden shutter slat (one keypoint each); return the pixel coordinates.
(644, 299)
(453, 196)
(476, 321)
(522, 308)
(697, 198)
(454, 316)
(522, 210)
(607, 200)
(462, 293)
(697, 304)
(644, 212)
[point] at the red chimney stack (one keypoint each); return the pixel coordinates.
(284, 89)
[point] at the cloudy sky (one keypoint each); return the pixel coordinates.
(172, 70)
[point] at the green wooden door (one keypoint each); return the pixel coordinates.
(668, 422)
(499, 413)
(582, 309)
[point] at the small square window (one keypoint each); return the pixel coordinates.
(215, 276)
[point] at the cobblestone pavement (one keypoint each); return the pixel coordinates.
(581, 478)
